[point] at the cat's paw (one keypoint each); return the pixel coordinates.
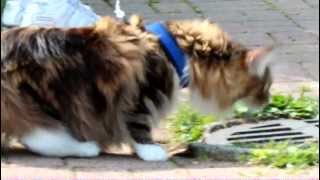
(151, 152)
(89, 149)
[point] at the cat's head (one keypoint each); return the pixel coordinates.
(222, 71)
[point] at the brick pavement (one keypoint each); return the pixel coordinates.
(21, 166)
(292, 25)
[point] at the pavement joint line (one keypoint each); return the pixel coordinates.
(283, 12)
(269, 34)
(306, 72)
(180, 166)
(175, 163)
(308, 4)
(152, 3)
(194, 7)
(109, 3)
(64, 162)
(313, 34)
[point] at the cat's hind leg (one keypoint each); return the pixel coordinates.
(58, 143)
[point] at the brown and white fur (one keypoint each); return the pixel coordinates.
(74, 92)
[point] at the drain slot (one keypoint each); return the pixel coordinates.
(264, 136)
(261, 131)
(275, 139)
(278, 139)
(265, 126)
(314, 122)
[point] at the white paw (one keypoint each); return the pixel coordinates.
(89, 149)
(151, 152)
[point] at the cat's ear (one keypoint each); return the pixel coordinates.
(136, 21)
(258, 60)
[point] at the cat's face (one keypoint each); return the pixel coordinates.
(218, 81)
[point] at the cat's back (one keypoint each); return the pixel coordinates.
(55, 66)
(44, 47)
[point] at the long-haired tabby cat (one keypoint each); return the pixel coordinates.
(73, 92)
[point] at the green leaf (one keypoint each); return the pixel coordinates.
(282, 106)
(285, 155)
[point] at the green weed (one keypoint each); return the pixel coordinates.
(285, 155)
(187, 125)
(283, 106)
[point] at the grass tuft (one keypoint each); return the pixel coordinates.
(285, 155)
(187, 125)
(282, 106)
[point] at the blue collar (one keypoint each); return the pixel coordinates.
(172, 50)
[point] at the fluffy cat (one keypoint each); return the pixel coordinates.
(73, 92)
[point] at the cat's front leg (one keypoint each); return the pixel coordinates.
(143, 144)
(151, 152)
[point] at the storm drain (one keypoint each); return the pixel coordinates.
(314, 122)
(295, 131)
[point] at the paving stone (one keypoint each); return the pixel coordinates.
(134, 8)
(199, 163)
(165, 16)
(202, 169)
(253, 39)
(312, 69)
(310, 26)
(289, 72)
(311, 58)
(295, 37)
(31, 173)
(290, 4)
(95, 174)
(257, 26)
(295, 87)
(304, 14)
(162, 174)
(243, 15)
(99, 6)
(249, 173)
(312, 3)
(28, 159)
(244, 4)
(117, 163)
(175, 7)
(304, 49)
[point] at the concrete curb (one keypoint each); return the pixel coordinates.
(219, 152)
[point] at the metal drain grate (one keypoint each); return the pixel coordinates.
(277, 130)
(314, 122)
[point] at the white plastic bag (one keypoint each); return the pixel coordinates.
(13, 11)
(57, 13)
(83, 16)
